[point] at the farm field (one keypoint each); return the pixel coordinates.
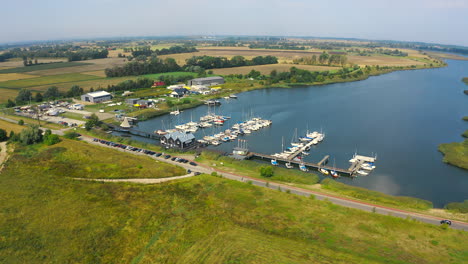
(266, 69)
(202, 219)
(14, 63)
(47, 80)
(41, 67)
(14, 76)
(85, 66)
(287, 56)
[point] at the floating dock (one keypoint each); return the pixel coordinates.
(307, 164)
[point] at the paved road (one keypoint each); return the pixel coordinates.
(304, 192)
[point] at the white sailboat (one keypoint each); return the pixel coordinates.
(289, 165)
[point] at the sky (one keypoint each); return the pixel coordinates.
(433, 21)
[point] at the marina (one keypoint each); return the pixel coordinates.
(377, 115)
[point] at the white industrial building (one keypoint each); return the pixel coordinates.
(96, 97)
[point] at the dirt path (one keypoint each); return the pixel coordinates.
(3, 154)
(143, 181)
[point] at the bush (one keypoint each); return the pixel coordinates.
(71, 135)
(21, 122)
(30, 135)
(51, 139)
(458, 207)
(3, 135)
(266, 171)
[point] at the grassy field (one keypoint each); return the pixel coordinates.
(14, 76)
(375, 197)
(10, 126)
(18, 62)
(88, 66)
(47, 80)
(49, 66)
(46, 217)
(266, 69)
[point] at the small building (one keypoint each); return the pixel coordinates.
(215, 80)
(127, 93)
(178, 140)
(96, 97)
(132, 101)
(77, 107)
(179, 92)
(199, 88)
(158, 83)
(175, 86)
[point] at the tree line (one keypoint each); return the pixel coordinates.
(72, 53)
(52, 93)
(144, 66)
(146, 51)
(323, 59)
(209, 62)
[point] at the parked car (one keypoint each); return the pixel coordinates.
(167, 156)
(445, 221)
(193, 163)
(197, 173)
(158, 154)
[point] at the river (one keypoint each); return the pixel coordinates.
(402, 116)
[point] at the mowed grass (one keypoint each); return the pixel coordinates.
(14, 76)
(47, 80)
(266, 69)
(47, 66)
(46, 217)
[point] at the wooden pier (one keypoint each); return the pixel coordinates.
(307, 164)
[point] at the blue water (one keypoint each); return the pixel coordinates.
(401, 116)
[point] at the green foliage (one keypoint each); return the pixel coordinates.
(51, 139)
(74, 91)
(71, 134)
(38, 97)
(24, 95)
(31, 135)
(10, 104)
(266, 171)
(455, 153)
(21, 122)
(376, 197)
(3, 135)
(92, 122)
(458, 207)
(52, 93)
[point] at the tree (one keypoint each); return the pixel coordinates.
(266, 171)
(254, 74)
(24, 95)
(75, 90)
(21, 122)
(38, 97)
(3, 135)
(10, 104)
(31, 135)
(92, 122)
(50, 139)
(52, 93)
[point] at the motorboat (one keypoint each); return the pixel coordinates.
(302, 167)
(274, 162)
(362, 172)
(289, 165)
(334, 174)
(324, 171)
(233, 96)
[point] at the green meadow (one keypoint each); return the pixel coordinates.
(47, 217)
(47, 80)
(47, 66)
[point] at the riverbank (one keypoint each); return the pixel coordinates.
(235, 85)
(456, 153)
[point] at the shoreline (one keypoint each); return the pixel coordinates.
(156, 113)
